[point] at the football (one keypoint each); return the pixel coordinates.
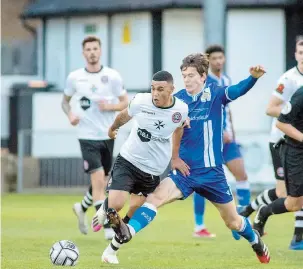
(64, 253)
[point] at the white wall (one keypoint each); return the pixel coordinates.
(182, 34)
(255, 37)
(52, 134)
(77, 34)
(133, 60)
(55, 51)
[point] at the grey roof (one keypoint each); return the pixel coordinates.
(50, 8)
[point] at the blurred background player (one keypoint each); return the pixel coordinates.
(287, 85)
(289, 122)
(98, 92)
(231, 153)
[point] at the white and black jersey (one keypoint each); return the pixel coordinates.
(88, 89)
(148, 146)
(288, 84)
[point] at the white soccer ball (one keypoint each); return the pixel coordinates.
(64, 253)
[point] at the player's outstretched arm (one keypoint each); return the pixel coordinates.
(176, 161)
(235, 91)
(121, 119)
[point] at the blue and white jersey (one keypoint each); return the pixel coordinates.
(202, 144)
(222, 81)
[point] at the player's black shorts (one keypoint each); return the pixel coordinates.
(97, 154)
(292, 159)
(127, 177)
(276, 161)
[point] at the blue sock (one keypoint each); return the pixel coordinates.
(199, 208)
(142, 217)
(246, 231)
(243, 193)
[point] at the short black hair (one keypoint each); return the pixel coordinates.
(214, 48)
(163, 76)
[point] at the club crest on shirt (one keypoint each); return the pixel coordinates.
(206, 95)
(104, 79)
(176, 117)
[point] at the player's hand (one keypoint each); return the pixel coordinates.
(112, 133)
(179, 164)
(257, 71)
(104, 106)
(73, 119)
(227, 137)
(186, 123)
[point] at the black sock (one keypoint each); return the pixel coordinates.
(126, 219)
(264, 198)
(276, 207)
(98, 204)
(272, 194)
(106, 204)
(298, 233)
(87, 199)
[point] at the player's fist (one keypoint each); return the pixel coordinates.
(112, 133)
(257, 71)
(73, 119)
(186, 123)
(179, 164)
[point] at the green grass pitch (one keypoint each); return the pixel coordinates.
(32, 223)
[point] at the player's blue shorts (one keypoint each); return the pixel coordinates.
(231, 152)
(208, 182)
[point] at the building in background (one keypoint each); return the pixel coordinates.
(140, 37)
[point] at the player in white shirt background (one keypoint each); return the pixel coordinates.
(287, 85)
(97, 93)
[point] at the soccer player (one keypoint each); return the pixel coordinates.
(231, 153)
(287, 85)
(289, 122)
(98, 92)
(147, 151)
(197, 162)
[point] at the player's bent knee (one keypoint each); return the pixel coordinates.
(233, 224)
(294, 204)
(155, 199)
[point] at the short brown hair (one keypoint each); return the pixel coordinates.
(214, 48)
(91, 39)
(196, 60)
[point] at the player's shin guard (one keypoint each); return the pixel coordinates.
(199, 208)
(243, 192)
(247, 232)
(142, 217)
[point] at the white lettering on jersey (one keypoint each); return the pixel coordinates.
(88, 89)
(148, 146)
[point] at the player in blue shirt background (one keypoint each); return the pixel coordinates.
(197, 162)
(231, 153)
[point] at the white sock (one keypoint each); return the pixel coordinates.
(198, 228)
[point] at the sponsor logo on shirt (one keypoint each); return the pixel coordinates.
(146, 136)
(85, 103)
